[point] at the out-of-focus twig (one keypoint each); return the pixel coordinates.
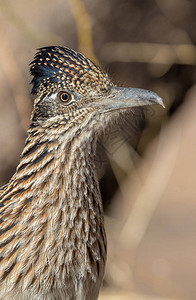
(84, 28)
(15, 80)
(123, 295)
(150, 194)
(150, 53)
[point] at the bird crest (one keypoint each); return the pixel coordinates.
(62, 68)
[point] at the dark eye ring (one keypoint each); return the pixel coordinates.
(64, 97)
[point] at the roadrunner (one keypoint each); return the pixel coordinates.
(52, 237)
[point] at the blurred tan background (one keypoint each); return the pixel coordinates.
(149, 187)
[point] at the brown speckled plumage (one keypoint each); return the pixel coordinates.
(52, 237)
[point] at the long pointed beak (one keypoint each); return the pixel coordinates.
(121, 98)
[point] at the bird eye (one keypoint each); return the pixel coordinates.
(64, 97)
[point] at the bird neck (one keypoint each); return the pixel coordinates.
(52, 207)
(58, 171)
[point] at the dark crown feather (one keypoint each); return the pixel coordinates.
(53, 66)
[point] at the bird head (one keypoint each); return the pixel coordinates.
(70, 88)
